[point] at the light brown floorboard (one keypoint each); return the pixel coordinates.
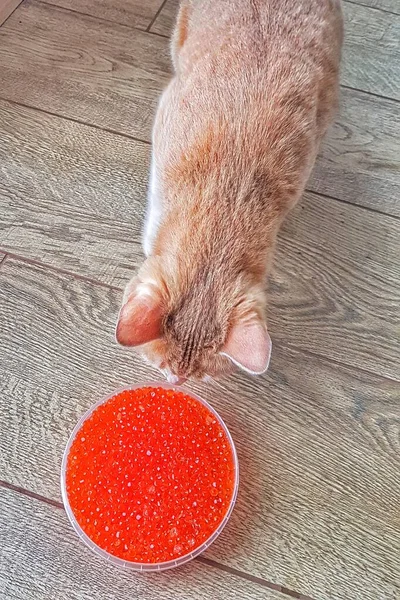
(100, 73)
(42, 558)
(133, 13)
(165, 21)
(391, 6)
(317, 442)
(359, 161)
(371, 56)
(6, 8)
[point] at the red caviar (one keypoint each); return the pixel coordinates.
(150, 475)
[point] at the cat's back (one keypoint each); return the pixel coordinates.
(249, 69)
(240, 56)
(254, 90)
(248, 31)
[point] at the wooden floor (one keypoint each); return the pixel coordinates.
(318, 514)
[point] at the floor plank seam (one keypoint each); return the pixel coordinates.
(148, 28)
(103, 19)
(368, 93)
(156, 16)
(94, 281)
(206, 561)
(11, 13)
(83, 14)
(343, 364)
(253, 578)
(77, 121)
(20, 490)
(378, 8)
(343, 201)
(39, 263)
(161, 35)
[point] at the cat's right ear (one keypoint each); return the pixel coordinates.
(139, 320)
(249, 346)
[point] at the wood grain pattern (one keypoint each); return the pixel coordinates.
(6, 8)
(336, 279)
(70, 195)
(49, 562)
(165, 21)
(335, 286)
(132, 13)
(100, 73)
(359, 160)
(371, 56)
(318, 443)
(97, 172)
(390, 6)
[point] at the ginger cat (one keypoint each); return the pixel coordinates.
(235, 138)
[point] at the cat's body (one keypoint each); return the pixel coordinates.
(235, 138)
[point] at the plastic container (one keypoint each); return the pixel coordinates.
(138, 566)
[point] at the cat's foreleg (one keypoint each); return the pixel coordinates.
(153, 212)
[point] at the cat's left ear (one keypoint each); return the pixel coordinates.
(249, 346)
(140, 320)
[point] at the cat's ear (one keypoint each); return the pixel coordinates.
(140, 320)
(249, 346)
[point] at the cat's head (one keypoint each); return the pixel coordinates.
(197, 328)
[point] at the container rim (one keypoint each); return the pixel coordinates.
(115, 560)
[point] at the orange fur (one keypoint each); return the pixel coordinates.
(235, 138)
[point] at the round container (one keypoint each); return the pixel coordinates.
(139, 566)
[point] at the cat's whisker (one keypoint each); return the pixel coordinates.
(217, 383)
